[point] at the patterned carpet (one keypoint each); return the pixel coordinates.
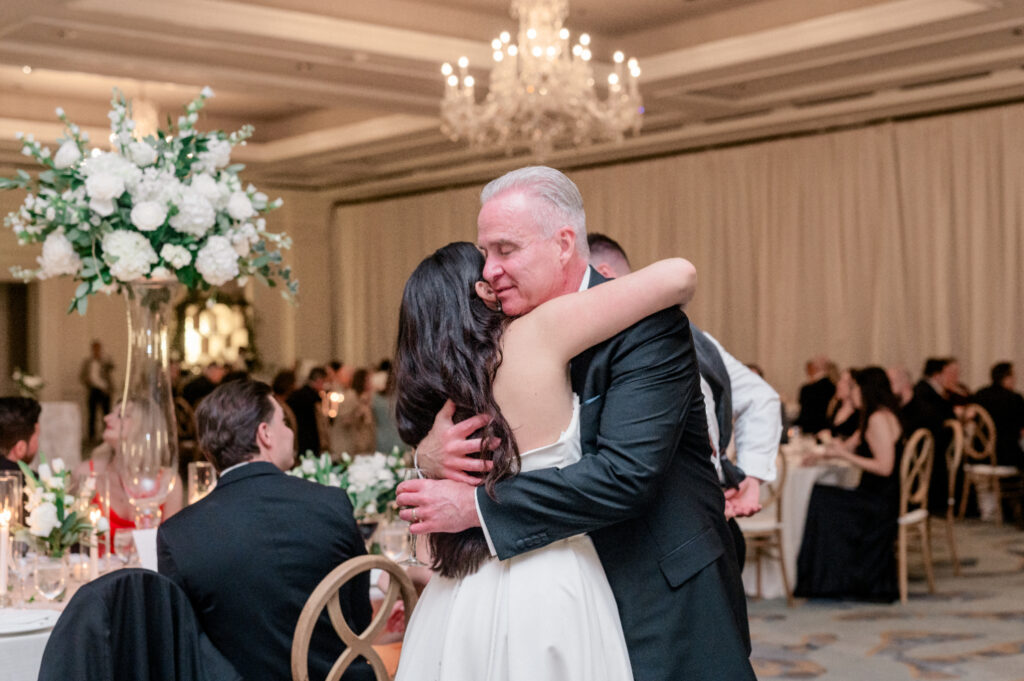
(972, 628)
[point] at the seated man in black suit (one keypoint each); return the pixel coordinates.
(19, 431)
(1006, 407)
(815, 396)
(250, 554)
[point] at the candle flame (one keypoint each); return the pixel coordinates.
(5, 517)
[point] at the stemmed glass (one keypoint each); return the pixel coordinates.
(412, 560)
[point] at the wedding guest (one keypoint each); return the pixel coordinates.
(306, 405)
(354, 430)
(383, 406)
(284, 386)
(105, 466)
(842, 414)
(19, 431)
(1006, 407)
(97, 377)
(203, 384)
(929, 408)
(815, 396)
(847, 548)
(251, 552)
(902, 386)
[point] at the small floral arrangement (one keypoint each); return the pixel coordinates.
(369, 480)
(167, 206)
(57, 519)
(28, 385)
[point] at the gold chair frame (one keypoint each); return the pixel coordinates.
(915, 476)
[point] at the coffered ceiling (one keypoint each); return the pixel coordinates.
(344, 94)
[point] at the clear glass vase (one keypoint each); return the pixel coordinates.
(51, 576)
(149, 433)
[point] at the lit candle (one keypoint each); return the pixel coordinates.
(94, 545)
(5, 521)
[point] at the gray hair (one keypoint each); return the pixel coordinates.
(561, 202)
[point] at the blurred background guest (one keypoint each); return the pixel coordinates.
(354, 430)
(842, 414)
(203, 384)
(97, 377)
(383, 407)
(847, 548)
(929, 408)
(1006, 407)
(19, 431)
(283, 386)
(902, 386)
(815, 396)
(306, 405)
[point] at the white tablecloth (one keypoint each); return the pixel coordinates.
(796, 493)
(21, 655)
(60, 432)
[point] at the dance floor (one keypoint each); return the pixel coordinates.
(972, 628)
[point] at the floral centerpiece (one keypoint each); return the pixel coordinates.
(57, 519)
(167, 206)
(28, 385)
(369, 480)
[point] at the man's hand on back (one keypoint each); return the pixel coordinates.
(445, 451)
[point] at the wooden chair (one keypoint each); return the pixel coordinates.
(981, 470)
(763, 532)
(915, 474)
(326, 595)
(954, 456)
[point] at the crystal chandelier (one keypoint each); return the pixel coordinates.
(541, 94)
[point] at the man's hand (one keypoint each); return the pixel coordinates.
(744, 500)
(437, 506)
(444, 452)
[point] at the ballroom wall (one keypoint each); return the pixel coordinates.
(883, 244)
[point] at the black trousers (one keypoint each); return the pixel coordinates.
(98, 401)
(739, 541)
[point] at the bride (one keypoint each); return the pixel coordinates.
(550, 613)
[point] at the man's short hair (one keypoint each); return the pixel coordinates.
(1000, 371)
(602, 245)
(227, 420)
(316, 374)
(18, 419)
(933, 366)
(561, 202)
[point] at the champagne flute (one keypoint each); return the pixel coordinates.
(412, 560)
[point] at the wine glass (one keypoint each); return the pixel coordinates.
(412, 560)
(21, 564)
(124, 547)
(393, 539)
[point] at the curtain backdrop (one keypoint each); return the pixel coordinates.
(880, 245)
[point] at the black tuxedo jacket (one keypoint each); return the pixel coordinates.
(814, 400)
(647, 493)
(250, 554)
(1007, 410)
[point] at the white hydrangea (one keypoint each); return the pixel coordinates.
(59, 257)
(195, 214)
(176, 256)
(110, 163)
(148, 215)
(210, 190)
(217, 261)
(217, 155)
(155, 184)
(142, 154)
(67, 156)
(128, 254)
(240, 207)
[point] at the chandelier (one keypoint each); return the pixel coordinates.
(541, 93)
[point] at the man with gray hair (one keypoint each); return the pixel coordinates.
(644, 490)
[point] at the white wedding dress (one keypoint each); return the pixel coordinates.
(546, 615)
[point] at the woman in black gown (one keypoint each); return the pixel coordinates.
(847, 549)
(842, 413)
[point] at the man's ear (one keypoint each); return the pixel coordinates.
(565, 237)
(18, 451)
(263, 436)
(605, 270)
(486, 294)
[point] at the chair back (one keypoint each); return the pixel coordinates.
(771, 492)
(979, 435)
(326, 595)
(954, 456)
(916, 470)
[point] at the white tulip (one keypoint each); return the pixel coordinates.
(67, 156)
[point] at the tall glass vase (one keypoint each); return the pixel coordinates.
(149, 433)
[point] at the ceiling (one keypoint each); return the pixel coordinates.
(345, 95)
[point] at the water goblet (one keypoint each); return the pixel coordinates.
(393, 539)
(412, 560)
(201, 480)
(124, 547)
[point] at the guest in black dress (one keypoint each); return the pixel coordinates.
(847, 549)
(843, 416)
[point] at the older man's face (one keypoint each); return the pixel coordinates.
(523, 266)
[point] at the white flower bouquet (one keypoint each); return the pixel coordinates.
(57, 519)
(28, 385)
(369, 480)
(170, 205)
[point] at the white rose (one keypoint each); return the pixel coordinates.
(176, 256)
(102, 207)
(104, 186)
(43, 519)
(141, 154)
(148, 215)
(217, 261)
(240, 207)
(58, 256)
(67, 156)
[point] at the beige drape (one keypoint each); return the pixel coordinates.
(881, 245)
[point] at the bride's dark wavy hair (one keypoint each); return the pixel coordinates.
(449, 346)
